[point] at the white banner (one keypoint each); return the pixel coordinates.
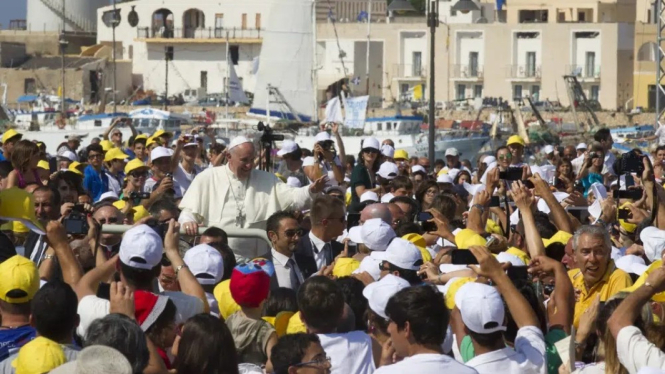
(334, 111)
(236, 94)
(355, 112)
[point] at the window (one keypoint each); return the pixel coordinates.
(404, 88)
(461, 92)
(478, 90)
(535, 92)
(234, 52)
(244, 21)
(531, 64)
(581, 16)
(219, 20)
(204, 80)
(595, 92)
(473, 64)
(257, 22)
(590, 64)
(379, 126)
(517, 92)
(29, 86)
(417, 59)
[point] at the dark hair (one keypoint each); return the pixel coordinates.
(290, 350)
(55, 195)
(439, 162)
(446, 205)
(485, 340)
(281, 299)
(423, 308)
(401, 181)
(206, 346)
(543, 224)
(95, 147)
(349, 159)
(422, 189)
(496, 152)
(601, 134)
(216, 232)
(352, 289)
(22, 154)
(660, 148)
(164, 321)
(376, 321)
(164, 203)
(461, 172)
(275, 220)
(321, 303)
(139, 278)
(122, 333)
(5, 168)
(526, 289)
(228, 256)
(405, 228)
(54, 311)
(409, 275)
(323, 207)
(409, 201)
(22, 309)
(564, 161)
(73, 180)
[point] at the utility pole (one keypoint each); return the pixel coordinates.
(63, 45)
(226, 87)
(168, 56)
(369, 28)
(433, 23)
(115, 24)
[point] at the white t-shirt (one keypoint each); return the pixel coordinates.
(635, 351)
(660, 133)
(327, 170)
(350, 353)
(150, 184)
(114, 184)
(527, 357)
(92, 307)
(608, 165)
(183, 178)
(428, 363)
(577, 164)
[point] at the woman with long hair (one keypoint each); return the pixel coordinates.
(565, 177)
(363, 177)
(426, 193)
(462, 177)
(592, 168)
(24, 159)
(205, 345)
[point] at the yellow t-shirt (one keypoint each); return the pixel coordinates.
(519, 253)
(613, 281)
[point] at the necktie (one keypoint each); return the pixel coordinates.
(295, 281)
(327, 253)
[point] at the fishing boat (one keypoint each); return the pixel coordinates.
(629, 138)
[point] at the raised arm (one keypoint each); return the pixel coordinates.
(563, 298)
(559, 215)
(340, 146)
(115, 123)
(175, 159)
(524, 201)
(90, 281)
(477, 218)
(57, 239)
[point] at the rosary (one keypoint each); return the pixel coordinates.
(240, 203)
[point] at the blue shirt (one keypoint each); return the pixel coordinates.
(95, 182)
(13, 339)
(590, 179)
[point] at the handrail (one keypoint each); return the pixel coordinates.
(231, 232)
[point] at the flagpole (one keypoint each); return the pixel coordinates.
(228, 66)
(369, 28)
(315, 81)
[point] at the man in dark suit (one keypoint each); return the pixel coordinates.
(318, 249)
(284, 233)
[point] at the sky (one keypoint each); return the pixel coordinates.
(11, 9)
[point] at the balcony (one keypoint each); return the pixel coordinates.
(584, 73)
(523, 73)
(198, 35)
(470, 73)
(409, 72)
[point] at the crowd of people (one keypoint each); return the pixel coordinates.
(129, 257)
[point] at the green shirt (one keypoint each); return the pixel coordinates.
(359, 177)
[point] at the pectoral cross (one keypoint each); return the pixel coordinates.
(240, 218)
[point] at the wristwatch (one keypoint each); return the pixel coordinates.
(180, 267)
(480, 207)
(48, 257)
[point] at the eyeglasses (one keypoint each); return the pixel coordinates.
(321, 361)
(138, 174)
(507, 156)
(95, 155)
(384, 266)
(371, 150)
(108, 221)
(291, 233)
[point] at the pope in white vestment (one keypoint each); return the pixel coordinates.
(217, 197)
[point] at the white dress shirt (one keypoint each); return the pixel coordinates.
(350, 353)
(317, 248)
(527, 357)
(283, 269)
(608, 165)
(426, 363)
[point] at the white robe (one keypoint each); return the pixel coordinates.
(210, 202)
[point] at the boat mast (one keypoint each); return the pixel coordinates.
(63, 43)
(369, 28)
(115, 23)
(228, 66)
(315, 73)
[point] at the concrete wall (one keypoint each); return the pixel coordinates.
(46, 43)
(12, 54)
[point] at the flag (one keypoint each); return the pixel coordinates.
(356, 108)
(255, 65)
(334, 111)
(417, 92)
(236, 93)
(355, 80)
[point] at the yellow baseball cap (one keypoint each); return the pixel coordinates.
(227, 305)
(106, 145)
(20, 280)
(519, 253)
(493, 228)
(400, 154)
(139, 211)
(659, 297)
(152, 140)
(345, 266)
(141, 136)
(560, 237)
(452, 287)
(115, 154)
(296, 325)
(43, 165)
(134, 165)
(515, 139)
(420, 242)
(159, 133)
(75, 167)
(40, 355)
(467, 238)
(10, 134)
(19, 205)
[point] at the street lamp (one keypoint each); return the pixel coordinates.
(465, 6)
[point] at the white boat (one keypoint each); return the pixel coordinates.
(626, 138)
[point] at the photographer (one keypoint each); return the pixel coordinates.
(592, 168)
(137, 174)
(161, 182)
(183, 161)
(324, 161)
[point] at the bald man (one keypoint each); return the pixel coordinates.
(377, 210)
(397, 214)
(424, 162)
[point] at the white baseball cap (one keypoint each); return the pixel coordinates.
(388, 170)
(159, 152)
(511, 258)
(293, 182)
(237, 141)
(489, 159)
(376, 234)
(141, 248)
(204, 259)
(370, 266)
(547, 149)
(481, 308)
(452, 152)
(109, 195)
(378, 293)
(581, 146)
(387, 197)
(288, 146)
(193, 141)
(654, 242)
(387, 150)
(631, 264)
(418, 169)
(444, 178)
(369, 196)
(68, 155)
(371, 143)
(322, 137)
(401, 253)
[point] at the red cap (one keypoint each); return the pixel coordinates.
(148, 307)
(249, 285)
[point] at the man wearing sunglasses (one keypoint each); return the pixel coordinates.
(284, 233)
